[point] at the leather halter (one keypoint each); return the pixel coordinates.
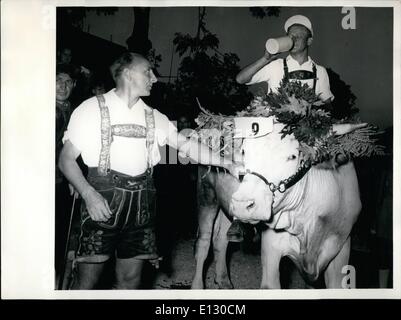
(285, 184)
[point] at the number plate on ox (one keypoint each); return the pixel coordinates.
(252, 127)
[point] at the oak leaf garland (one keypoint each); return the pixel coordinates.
(304, 115)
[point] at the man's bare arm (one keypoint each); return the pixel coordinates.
(246, 74)
(97, 206)
(201, 153)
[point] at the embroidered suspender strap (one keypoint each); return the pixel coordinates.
(106, 137)
(285, 79)
(300, 74)
(150, 135)
(128, 130)
(314, 77)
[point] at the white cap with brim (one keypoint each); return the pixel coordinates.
(298, 19)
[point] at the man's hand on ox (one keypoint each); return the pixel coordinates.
(183, 152)
(236, 169)
(97, 206)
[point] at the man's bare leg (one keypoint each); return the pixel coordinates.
(128, 273)
(87, 275)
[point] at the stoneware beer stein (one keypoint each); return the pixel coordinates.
(278, 45)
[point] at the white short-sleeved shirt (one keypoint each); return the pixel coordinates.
(127, 155)
(273, 73)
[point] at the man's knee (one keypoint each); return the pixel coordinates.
(128, 273)
(131, 282)
(87, 275)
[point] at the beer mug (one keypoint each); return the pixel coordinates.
(278, 45)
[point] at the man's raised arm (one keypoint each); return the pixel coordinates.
(246, 74)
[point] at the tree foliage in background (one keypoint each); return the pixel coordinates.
(139, 41)
(262, 12)
(154, 58)
(207, 74)
(74, 16)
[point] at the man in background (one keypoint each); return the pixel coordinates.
(298, 65)
(65, 83)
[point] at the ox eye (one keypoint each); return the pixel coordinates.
(292, 157)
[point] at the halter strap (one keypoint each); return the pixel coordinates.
(285, 184)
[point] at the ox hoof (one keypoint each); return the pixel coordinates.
(235, 233)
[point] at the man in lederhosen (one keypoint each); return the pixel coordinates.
(118, 136)
(296, 66)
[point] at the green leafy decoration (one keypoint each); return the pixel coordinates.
(359, 143)
(308, 119)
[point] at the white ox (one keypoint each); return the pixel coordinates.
(310, 222)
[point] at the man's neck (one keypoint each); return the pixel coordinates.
(127, 96)
(300, 57)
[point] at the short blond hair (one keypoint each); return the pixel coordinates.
(126, 60)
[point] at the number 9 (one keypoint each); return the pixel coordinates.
(255, 128)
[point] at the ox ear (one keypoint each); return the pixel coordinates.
(343, 128)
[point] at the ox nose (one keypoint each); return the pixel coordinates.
(241, 205)
(243, 209)
(250, 204)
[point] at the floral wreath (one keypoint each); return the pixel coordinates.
(304, 115)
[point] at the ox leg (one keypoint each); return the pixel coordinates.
(206, 216)
(271, 256)
(333, 275)
(220, 243)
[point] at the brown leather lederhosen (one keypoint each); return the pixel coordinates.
(131, 199)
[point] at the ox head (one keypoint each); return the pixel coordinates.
(275, 159)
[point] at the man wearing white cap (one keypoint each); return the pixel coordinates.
(296, 66)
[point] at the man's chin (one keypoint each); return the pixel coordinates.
(61, 98)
